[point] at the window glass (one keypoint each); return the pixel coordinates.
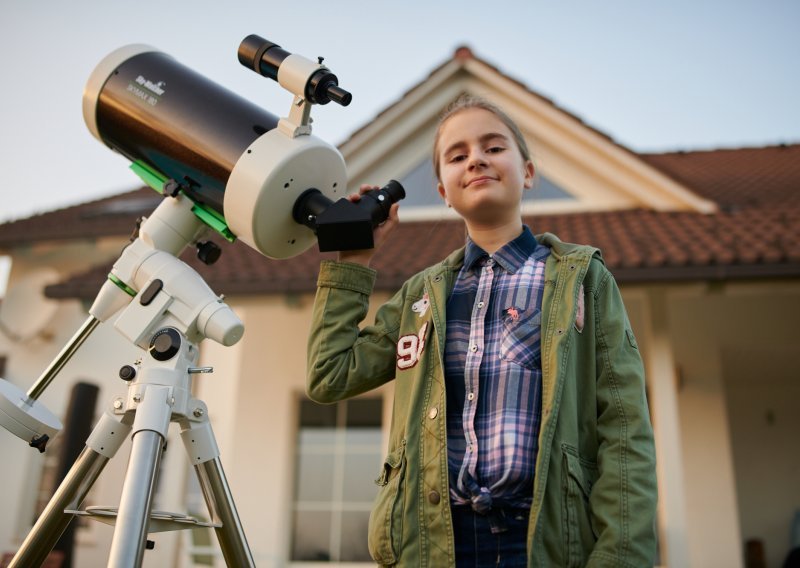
(338, 456)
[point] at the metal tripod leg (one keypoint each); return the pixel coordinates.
(130, 534)
(149, 433)
(204, 454)
(103, 443)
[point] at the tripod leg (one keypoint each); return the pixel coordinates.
(53, 520)
(133, 517)
(204, 453)
(101, 446)
(217, 493)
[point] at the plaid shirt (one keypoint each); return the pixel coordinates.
(493, 374)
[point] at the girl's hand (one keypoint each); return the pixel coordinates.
(364, 256)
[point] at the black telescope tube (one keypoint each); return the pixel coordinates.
(156, 111)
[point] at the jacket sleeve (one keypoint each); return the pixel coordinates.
(344, 360)
(623, 499)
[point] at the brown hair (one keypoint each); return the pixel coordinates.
(467, 101)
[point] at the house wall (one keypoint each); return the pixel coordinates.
(735, 380)
(257, 394)
(762, 393)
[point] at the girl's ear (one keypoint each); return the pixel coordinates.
(530, 171)
(443, 193)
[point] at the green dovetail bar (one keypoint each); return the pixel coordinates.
(156, 180)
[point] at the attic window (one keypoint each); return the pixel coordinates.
(420, 186)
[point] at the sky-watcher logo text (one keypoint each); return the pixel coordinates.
(156, 88)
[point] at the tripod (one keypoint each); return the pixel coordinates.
(172, 311)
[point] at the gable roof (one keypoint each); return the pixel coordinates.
(600, 173)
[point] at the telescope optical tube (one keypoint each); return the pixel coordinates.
(225, 153)
(150, 108)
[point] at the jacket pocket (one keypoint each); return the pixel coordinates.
(578, 477)
(521, 343)
(386, 519)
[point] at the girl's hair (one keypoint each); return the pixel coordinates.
(467, 101)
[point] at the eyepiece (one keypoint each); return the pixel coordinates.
(339, 95)
(394, 190)
(383, 199)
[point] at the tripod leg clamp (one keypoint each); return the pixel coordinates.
(199, 441)
(108, 435)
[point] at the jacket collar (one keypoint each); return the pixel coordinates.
(558, 251)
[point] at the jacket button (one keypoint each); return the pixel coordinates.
(433, 413)
(434, 497)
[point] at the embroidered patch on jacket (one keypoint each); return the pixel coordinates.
(580, 315)
(420, 307)
(409, 348)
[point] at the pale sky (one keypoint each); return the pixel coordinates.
(656, 76)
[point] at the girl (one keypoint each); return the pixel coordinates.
(520, 434)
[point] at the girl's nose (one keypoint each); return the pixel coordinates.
(477, 160)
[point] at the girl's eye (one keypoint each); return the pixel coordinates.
(495, 149)
(458, 158)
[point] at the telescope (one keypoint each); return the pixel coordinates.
(266, 181)
(223, 164)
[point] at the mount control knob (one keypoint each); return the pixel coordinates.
(127, 373)
(165, 344)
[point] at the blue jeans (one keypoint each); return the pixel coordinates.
(478, 546)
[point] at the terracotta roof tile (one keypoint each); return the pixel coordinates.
(736, 178)
(110, 216)
(637, 245)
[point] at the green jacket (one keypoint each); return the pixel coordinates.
(594, 494)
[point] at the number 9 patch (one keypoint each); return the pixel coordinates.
(410, 347)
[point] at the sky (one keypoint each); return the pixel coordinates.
(655, 76)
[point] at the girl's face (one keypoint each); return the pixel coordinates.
(482, 171)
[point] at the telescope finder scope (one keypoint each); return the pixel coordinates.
(303, 77)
